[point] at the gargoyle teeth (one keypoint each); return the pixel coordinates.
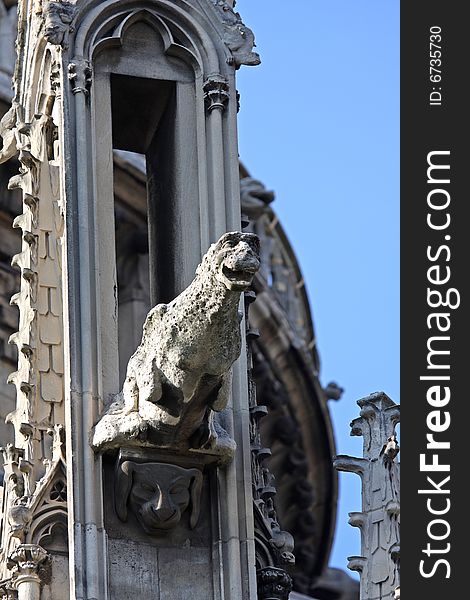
(232, 273)
(239, 276)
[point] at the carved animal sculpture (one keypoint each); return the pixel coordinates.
(241, 40)
(238, 37)
(158, 494)
(181, 372)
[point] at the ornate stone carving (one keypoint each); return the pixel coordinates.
(158, 494)
(27, 563)
(58, 16)
(216, 93)
(80, 77)
(379, 520)
(237, 36)
(6, 591)
(7, 132)
(181, 372)
(39, 376)
(273, 584)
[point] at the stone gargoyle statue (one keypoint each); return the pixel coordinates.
(181, 372)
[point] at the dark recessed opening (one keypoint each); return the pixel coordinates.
(138, 105)
(143, 126)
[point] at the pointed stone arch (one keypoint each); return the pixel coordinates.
(185, 29)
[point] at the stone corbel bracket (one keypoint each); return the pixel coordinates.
(158, 493)
(7, 133)
(28, 563)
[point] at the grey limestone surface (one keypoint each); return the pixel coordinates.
(137, 569)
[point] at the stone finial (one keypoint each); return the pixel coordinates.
(333, 391)
(379, 520)
(239, 38)
(80, 77)
(181, 372)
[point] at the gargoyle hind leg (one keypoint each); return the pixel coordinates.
(207, 434)
(141, 384)
(223, 395)
(130, 393)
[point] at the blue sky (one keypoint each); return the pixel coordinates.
(319, 124)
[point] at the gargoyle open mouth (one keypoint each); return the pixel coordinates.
(237, 279)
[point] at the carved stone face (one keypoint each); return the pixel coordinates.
(158, 494)
(237, 257)
(57, 19)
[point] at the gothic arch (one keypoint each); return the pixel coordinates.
(184, 29)
(48, 528)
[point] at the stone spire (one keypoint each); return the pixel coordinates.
(379, 520)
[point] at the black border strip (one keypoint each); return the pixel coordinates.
(434, 124)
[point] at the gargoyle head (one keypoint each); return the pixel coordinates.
(236, 259)
(158, 494)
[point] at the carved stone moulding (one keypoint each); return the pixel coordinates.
(160, 491)
(216, 93)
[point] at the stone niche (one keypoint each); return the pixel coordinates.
(165, 554)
